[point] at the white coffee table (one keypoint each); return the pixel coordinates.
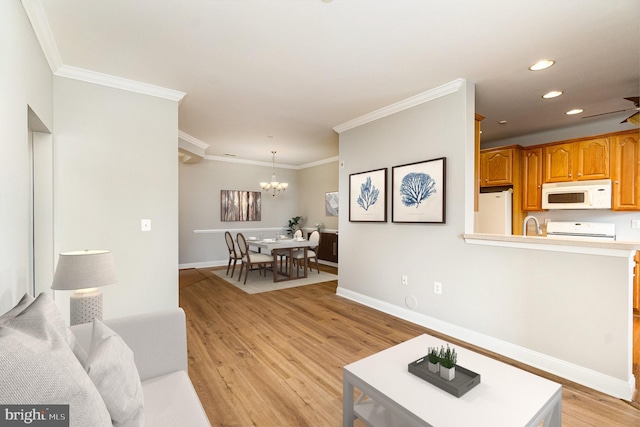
(506, 396)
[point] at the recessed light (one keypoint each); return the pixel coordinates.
(552, 94)
(502, 122)
(574, 111)
(541, 65)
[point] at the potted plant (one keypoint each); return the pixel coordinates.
(433, 359)
(448, 359)
(294, 224)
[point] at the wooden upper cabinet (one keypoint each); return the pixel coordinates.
(577, 161)
(558, 163)
(496, 167)
(625, 171)
(532, 179)
(592, 159)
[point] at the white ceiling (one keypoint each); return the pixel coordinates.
(262, 75)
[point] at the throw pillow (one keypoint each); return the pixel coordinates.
(39, 368)
(112, 369)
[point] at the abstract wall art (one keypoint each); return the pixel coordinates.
(240, 205)
(331, 203)
(418, 192)
(368, 196)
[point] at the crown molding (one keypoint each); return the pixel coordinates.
(319, 162)
(192, 140)
(119, 83)
(40, 24)
(418, 99)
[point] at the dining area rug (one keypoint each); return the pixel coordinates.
(257, 283)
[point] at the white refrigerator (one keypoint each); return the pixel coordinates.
(494, 213)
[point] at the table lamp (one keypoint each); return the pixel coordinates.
(84, 272)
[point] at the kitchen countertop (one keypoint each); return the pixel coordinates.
(613, 248)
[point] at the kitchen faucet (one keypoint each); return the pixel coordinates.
(524, 225)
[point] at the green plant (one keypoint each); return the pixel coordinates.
(294, 224)
(433, 355)
(448, 357)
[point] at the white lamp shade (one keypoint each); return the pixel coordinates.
(84, 269)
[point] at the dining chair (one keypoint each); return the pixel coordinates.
(233, 254)
(250, 258)
(297, 234)
(312, 252)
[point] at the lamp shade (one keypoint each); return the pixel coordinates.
(84, 269)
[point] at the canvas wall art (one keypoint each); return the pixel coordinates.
(240, 205)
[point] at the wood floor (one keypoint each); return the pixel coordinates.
(276, 358)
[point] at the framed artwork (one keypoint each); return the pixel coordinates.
(331, 204)
(240, 205)
(418, 192)
(368, 196)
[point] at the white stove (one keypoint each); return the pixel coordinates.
(591, 231)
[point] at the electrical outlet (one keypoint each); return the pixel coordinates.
(635, 223)
(404, 279)
(437, 288)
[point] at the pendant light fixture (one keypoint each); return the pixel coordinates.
(274, 185)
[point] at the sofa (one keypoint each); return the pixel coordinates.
(124, 372)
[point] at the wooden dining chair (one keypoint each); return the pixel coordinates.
(250, 258)
(233, 254)
(312, 252)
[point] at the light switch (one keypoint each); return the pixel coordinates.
(145, 225)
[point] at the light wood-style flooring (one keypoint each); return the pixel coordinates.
(276, 358)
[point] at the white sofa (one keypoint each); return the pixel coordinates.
(159, 345)
(126, 372)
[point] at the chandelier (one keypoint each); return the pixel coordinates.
(274, 185)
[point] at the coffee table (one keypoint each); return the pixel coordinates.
(391, 396)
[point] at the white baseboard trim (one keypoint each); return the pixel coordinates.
(581, 375)
(203, 264)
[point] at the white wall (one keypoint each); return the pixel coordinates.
(549, 309)
(315, 182)
(25, 81)
(115, 155)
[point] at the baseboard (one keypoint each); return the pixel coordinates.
(204, 264)
(581, 375)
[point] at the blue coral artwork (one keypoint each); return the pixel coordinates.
(419, 192)
(367, 196)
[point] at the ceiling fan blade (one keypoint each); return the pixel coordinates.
(634, 119)
(635, 100)
(610, 112)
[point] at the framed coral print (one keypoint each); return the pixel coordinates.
(368, 196)
(418, 192)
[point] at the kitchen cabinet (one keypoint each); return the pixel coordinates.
(501, 167)
(476, 158)
(532, 179)
(328, 247)
(625, 171)
(496, 166)
(577, 161)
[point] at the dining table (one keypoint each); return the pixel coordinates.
(283, 247)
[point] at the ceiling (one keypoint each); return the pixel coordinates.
(263, 75)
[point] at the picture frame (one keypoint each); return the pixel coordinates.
(418, 192)
(331, 204)
(368, 196)
(240, 205)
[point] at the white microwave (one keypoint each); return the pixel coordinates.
(594, 194)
